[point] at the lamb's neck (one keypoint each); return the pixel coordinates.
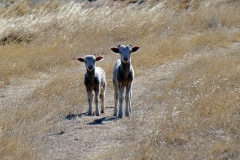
(126, 68)
(91, 74)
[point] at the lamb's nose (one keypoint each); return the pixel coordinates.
(90, 67)
(125, 59)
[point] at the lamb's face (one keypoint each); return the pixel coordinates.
(125, 51)
(90, 61)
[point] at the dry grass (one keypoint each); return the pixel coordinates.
(202, 120)
(188, 65)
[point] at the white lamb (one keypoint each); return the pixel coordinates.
(123, 75)
(95, 81)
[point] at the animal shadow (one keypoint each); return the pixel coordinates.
(72, 116)
(103, 119)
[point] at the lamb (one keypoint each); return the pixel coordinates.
(123, 75)
(95, 81)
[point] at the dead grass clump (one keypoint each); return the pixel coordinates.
(166, 49)
(25, 61)
(211, 39)
(223, 150)
(48, 7)
(16, 38)
(15, 8)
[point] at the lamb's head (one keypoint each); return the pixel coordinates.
(125, 51)
(90, 61)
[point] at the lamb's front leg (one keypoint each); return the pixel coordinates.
(96, 101)
(115, 87)
(130, 102)
(89, 94)
(120, 93)
(128, 108)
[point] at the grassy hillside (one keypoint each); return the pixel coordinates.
(186, 91)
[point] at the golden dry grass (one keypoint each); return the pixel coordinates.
(186, 95)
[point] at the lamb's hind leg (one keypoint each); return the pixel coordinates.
(120, 92)
(102, 96)
(115, 87)
(128, 108)
(89, 94)
(96, 101)
(130, 102)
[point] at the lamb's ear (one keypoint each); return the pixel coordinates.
(99, 58)
(115, 49)
(134, 49)
(80, 59)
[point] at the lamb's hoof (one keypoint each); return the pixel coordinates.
(90, 113)
(120, 115)
(97, 113)
(115, 113)
(127, 114)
